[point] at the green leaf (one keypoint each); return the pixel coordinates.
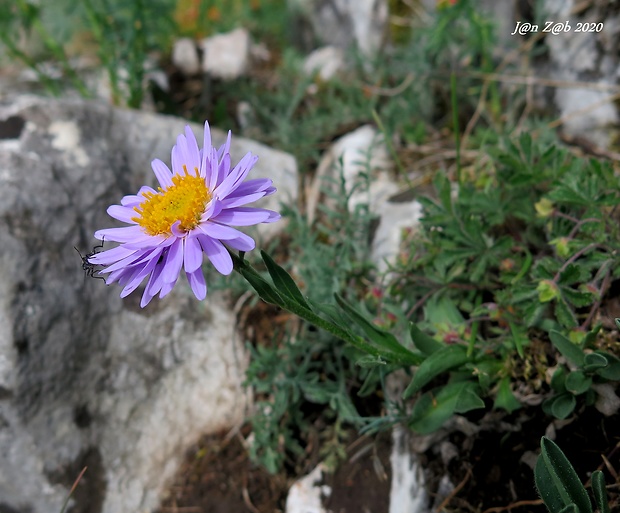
(331, 311)
(434, 408)
(518, 337)
(571, 508)
(283, 282)
(425, 343)
(594, 361)
(371, 382)
(590, 337)
(612, 371)
(600, 492)
(439, 362)
(315, 392)
(577, 298)
(505, 399)
(577, 382)
(573, 273)
(264, 289)
(562, 405)
(385, 340)
(564, 194)
(570, 351)
(558, 380)
(564, 314)
(468, 400)
(564, 477)
(546, 487)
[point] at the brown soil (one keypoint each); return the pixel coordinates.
(489, 472)
(217, 477)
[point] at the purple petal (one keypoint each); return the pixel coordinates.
(132, 200)
(241, 216)
(166, 288)
(138, 258)
(138, 278)
(111, 255)
(252, 186)
(273, 217)
(125, 234)
(212, 169)
(236, 176)
(224, 148)
(189, 152)
(144, 189)
(192, 256)
(146, 298)
(162, 173)
(197, 283)
(156, 280)
(231, 202)
(245, 243)
(219, 231)
(217, 253)
(213, 208)
(115, 276)
(222, 170)
(174, 260)
(206, 150)
(123, 214)
(206, 142)
(176, 159)
(178, 233)
(153, 241)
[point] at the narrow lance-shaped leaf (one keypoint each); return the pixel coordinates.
(283, 282)
(571, 351)
(600, 492)
(264, 289)
(439, 362)
(425, 343)
(434, 408)
(564, 476)
(386, 341)
(546, 487)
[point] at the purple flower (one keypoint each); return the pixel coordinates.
(190, 214)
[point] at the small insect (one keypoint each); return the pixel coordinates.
(88, 267)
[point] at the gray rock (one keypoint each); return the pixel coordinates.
(305, 495)
(226, 56)
(326, 62)
(585, 56)
(185, 56)
(88, 379)
(358, 153)
(342, 23)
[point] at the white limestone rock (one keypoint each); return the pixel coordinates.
(185, 56)
(325, 62)
(226, 56)
(306, 495)
(342, 23)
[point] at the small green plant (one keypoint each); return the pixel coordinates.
(560, 487)
(476, 268)
(123, 32)
(305, 379)
(520, 256)
(589, 368)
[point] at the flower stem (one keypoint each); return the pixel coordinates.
(270, 295)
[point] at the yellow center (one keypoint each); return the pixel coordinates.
(184, 201)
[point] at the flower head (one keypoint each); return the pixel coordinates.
(191, 214)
